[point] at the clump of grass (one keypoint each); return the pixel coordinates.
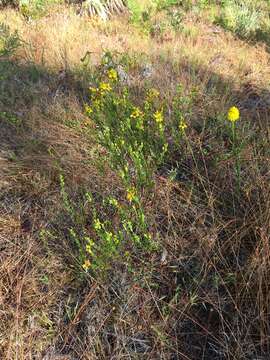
(247, 19)
(242, 18)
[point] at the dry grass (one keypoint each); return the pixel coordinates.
(206, 295)
(62, 38)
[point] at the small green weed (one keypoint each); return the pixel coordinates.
(10, 119)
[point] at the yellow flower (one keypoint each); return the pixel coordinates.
(88, 248)
(165, 148)
(153, 93)
(112, 74)
(233, 114)
(97, 224)
(105, 87)
(86, 265)
(116, 239)
(131, 194)
(88, 109)
(158, 116)
(136, 113)
(182, 125)
(109, 236)
(93, 90)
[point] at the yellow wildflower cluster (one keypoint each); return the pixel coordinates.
(153, 93)
(112, 75)
(96, 96)
(158, 116)
(105, 87)
(88, 109)
(93, 90)
(136, 113)
(131, 194)
(182, 125)
(233, 114)
(86, 265)
(97, 224)
(89, 246)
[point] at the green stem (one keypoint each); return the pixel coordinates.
(236, 154)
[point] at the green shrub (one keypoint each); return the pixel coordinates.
(9, 41)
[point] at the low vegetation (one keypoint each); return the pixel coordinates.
(134, 182)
